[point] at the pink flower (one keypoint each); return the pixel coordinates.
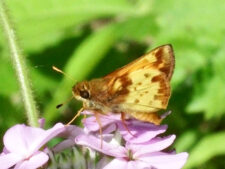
(72, 131)
(137, 156)
(140, 131)
(142, 149)
(23, 146)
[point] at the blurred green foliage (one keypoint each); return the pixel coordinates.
(90, 38)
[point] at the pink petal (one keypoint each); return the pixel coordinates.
(91, 124)
(95, 143)
(132, 165)
(71, 132)
(142, 132)
(117, 163)
(41, 122)
(36, 161)
(9, 160)
(138, 165)
(154, 145)
(63, 145)
(162, 160)
(143, 165)
(107, 137)
(4, 151)
(19, 137)
(48, 135)
(109, 129)
(26, 140)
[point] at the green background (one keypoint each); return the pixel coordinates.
(90, 38)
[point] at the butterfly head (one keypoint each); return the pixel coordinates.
(81, 91)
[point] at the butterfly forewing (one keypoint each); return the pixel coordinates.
(143, 85)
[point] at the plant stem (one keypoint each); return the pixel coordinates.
(20, 67)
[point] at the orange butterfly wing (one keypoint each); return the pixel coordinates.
(142, 85)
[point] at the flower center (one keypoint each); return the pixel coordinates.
(130, 155)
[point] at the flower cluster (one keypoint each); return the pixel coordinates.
(24, 146)
(140, 147)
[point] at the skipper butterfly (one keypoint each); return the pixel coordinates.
(138, 89)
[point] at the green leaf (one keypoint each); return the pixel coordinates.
(185, 141)
(188, 61)
(211, 101)
(209, 97)
(219, 61)
(45, 22)
(203, 19)
(208, 147)
(139, 28)
(195, 30)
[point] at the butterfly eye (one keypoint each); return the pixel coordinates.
(84, 94)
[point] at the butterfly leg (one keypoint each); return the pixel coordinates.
(74, 118)
(96, 114)
(123, 115)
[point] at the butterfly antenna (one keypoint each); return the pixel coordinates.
(61, 104)
(60, 71)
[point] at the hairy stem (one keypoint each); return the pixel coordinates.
(20, 66)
